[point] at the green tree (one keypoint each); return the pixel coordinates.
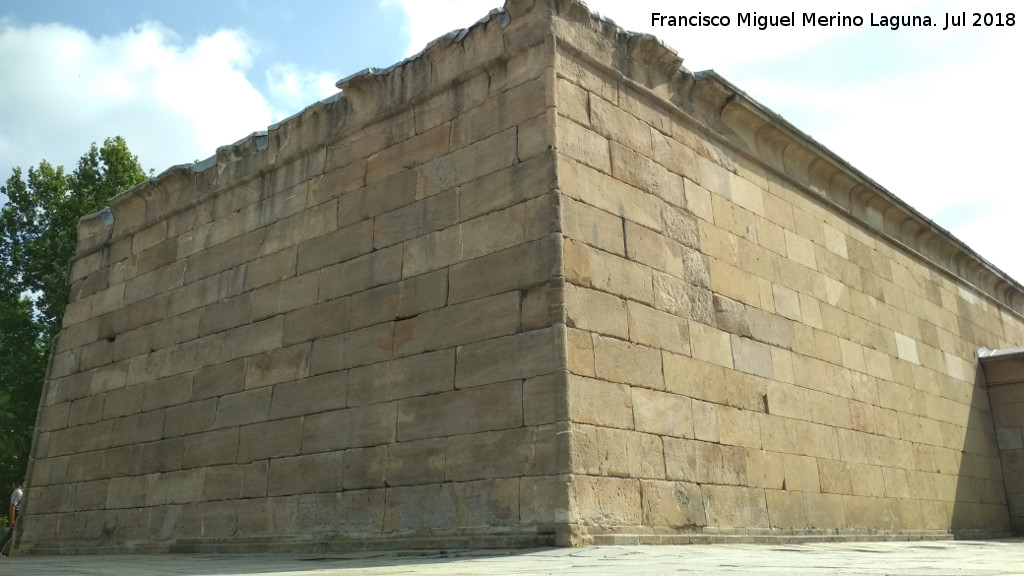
(38, 237)
(22, 365)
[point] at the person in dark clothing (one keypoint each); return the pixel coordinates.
(15, 510)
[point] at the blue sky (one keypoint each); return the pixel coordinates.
(351, 36)
(929, 114)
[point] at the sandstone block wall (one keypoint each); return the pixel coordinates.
(1004, 373)
(537, 285)
(344, 327)
(757, 344)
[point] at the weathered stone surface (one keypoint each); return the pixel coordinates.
(509, 358)
(365, 467)
(605, 501)
(595, 311)
(477, 409)
(367, 271)
(672, 504)
(502, 454)
(457, 324)
(211, 448)
(306, 474)
(618, 361)
(398, 300)
(416, 462)
(521, 266)
(600, 403)
(407, 377)
(504, 294)
(269, 440)
(338, 246)
(349, 428)
(309, 395)
(662, 413)
(735, 506)
(356, 348)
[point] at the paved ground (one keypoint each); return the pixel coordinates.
(961, 558)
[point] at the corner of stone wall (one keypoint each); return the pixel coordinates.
(156, 251)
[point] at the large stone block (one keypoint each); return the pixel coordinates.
(457, 324)
(310, 395)
(618, 361)
(243, 408)
(273, 439)
(545, 399)
(376, 198)
(508, 187)
(411, 508)
(317, 321)
(180, 487)
(507, 453)
(356, 348)
(365, 467)
(470, 162)
(509, 108)
(592, 226)
(219, 379)
(407, 377)
(662, 413)
(196, 416)
(599, 501)
(370, 425)
(416, 462)
(634, 167)
(600, 403)
(408, 153)
(401, 299)
(236, 481)
(672, 504)
(513, 357)
(276, 366)
(652, 327)
(306, 474)
(478, 409)
(431, 214)
(735, 506)
(367, 271)
(544, 499)
(600, 190)
(518, 267)
(595, 311)
(607, 272)
(334, 247)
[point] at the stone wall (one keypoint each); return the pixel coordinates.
(760, 340)
(343, 327)
(1004, 375)
(536, 285)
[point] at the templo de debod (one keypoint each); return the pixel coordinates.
(537, 285)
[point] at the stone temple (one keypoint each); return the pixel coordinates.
(538, 285)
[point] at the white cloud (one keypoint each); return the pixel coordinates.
(292, 89)
(172, 102)
(430, 20)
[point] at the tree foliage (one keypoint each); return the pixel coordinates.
(38, 237)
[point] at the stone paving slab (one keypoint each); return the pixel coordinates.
(961, 558)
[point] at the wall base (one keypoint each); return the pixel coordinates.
(638, 536)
